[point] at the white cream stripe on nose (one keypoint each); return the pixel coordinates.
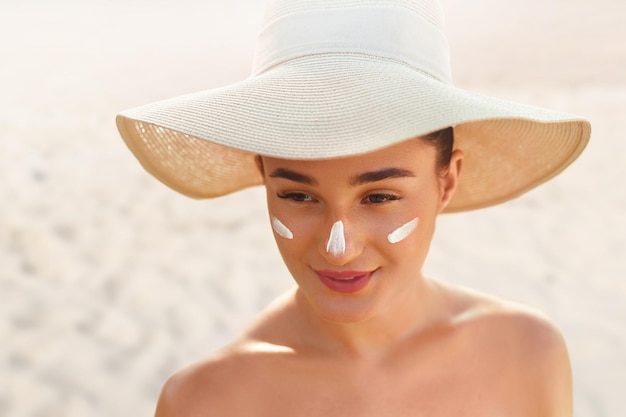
(336, 242)
(403, 231)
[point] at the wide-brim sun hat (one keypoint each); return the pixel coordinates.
(337, 78)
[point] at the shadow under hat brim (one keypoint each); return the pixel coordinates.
(336, 105)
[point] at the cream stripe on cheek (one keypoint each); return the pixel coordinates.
(403, 231)
(281, 229)
(336, 241)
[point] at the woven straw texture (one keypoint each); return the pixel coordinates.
(346, 103)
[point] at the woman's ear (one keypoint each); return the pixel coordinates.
(449, 178)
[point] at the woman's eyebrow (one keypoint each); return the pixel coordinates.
(366, 177)
(380, 175)
(293, 176)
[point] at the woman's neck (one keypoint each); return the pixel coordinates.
(407, 314)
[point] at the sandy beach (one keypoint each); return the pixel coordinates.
(109, 281)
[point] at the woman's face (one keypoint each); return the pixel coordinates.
(354, 232)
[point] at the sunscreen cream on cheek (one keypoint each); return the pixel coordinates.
(403, 231)
(281, 229)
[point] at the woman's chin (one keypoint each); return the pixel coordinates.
(344, 310)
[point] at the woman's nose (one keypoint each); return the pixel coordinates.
(339, 246)
(336, 244)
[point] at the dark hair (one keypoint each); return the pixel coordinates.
(443, 141)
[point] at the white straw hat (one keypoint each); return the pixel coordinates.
(335, 78)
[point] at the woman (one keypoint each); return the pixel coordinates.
(353, 126)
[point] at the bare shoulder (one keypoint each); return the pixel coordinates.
(524, 346)
(223, 385)
(530, 329)
(198, 389)
(228, 382)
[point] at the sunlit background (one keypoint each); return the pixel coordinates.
(109, 281)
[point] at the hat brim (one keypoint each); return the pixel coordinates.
(336, 105)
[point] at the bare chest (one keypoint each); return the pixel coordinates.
(343, 392)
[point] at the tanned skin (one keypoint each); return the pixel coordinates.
(405, 345)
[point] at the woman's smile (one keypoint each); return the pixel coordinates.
(345, 281)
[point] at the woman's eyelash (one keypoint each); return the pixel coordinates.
(376, 198)
(379, 198)
(299, 197)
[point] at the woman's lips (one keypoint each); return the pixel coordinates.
(345, 281)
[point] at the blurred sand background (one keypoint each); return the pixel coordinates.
(109, 281)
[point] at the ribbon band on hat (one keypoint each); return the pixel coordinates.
(393, 34)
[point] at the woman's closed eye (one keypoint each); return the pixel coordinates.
(297, 197)
(379, 198)
(375, 198)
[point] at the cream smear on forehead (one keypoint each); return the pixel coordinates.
(403, 231)
(336, 242)
(281, 229)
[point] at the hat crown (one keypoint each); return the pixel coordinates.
(407, 31)
(431, 10)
